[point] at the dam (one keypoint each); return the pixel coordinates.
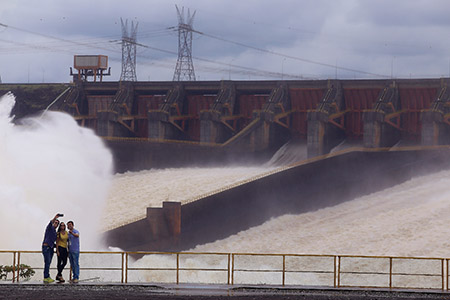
(157, 125)
(172, 124)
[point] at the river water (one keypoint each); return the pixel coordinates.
(410, 219)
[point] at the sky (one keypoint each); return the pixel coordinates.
(232, 39)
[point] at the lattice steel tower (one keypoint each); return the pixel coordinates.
(128, 51)
(184, 70)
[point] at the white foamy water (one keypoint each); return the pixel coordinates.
(48, 165)
(132, 192)
(289, 153)
(410, 219)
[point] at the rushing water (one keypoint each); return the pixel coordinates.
(132, 192)
(410, 219)
(49, 165)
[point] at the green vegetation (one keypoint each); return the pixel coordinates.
(25, 271)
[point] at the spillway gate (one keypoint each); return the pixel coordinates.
(255, 116)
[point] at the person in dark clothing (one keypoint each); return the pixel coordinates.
(47, 247)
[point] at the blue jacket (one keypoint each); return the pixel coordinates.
(50, 235)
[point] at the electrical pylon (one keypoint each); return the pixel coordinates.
(184, 70)
(128, 51)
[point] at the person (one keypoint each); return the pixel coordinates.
(62, 238)
(47, 247)
(74, 251)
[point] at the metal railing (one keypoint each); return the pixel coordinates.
(249, 268)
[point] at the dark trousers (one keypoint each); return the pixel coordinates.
(47, 252)
(62, 259)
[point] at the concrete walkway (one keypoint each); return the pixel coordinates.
(35, 290)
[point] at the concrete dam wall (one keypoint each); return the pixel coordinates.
(160, 124)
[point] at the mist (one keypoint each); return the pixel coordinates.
(49, 165)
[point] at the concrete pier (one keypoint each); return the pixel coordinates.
(107, 124)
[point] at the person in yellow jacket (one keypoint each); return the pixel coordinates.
(61, 250)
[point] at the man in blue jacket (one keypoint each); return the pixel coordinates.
(47, 247)
(74, 251)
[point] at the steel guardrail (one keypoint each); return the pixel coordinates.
(335, 271)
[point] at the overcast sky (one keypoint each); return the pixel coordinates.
(237, 39)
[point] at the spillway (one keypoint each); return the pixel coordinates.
(409, 219)
(398, 220)
(132, 192)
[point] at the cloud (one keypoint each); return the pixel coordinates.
(402, 13)
(360, 35)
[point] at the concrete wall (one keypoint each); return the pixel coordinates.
(160, 230)
(138, 154)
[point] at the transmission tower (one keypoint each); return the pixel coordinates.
(128, 51)
(184, 70)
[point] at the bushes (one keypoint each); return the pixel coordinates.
(25, 272)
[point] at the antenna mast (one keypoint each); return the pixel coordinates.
(184, 70)
(128, 51)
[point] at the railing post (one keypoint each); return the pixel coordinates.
(228, 269)
(14, 267)
(232, 269)
(126, 267)
(447, 274)
(390, 272)
(122, 268)
(284, 268)
(18, 265)
(339, 272)
(443, 276)
(335, 271)
(178, 268)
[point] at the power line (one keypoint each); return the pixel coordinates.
(269, 73)
(97, 44)
(289, 56)
(76, 43)
(92, 45)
